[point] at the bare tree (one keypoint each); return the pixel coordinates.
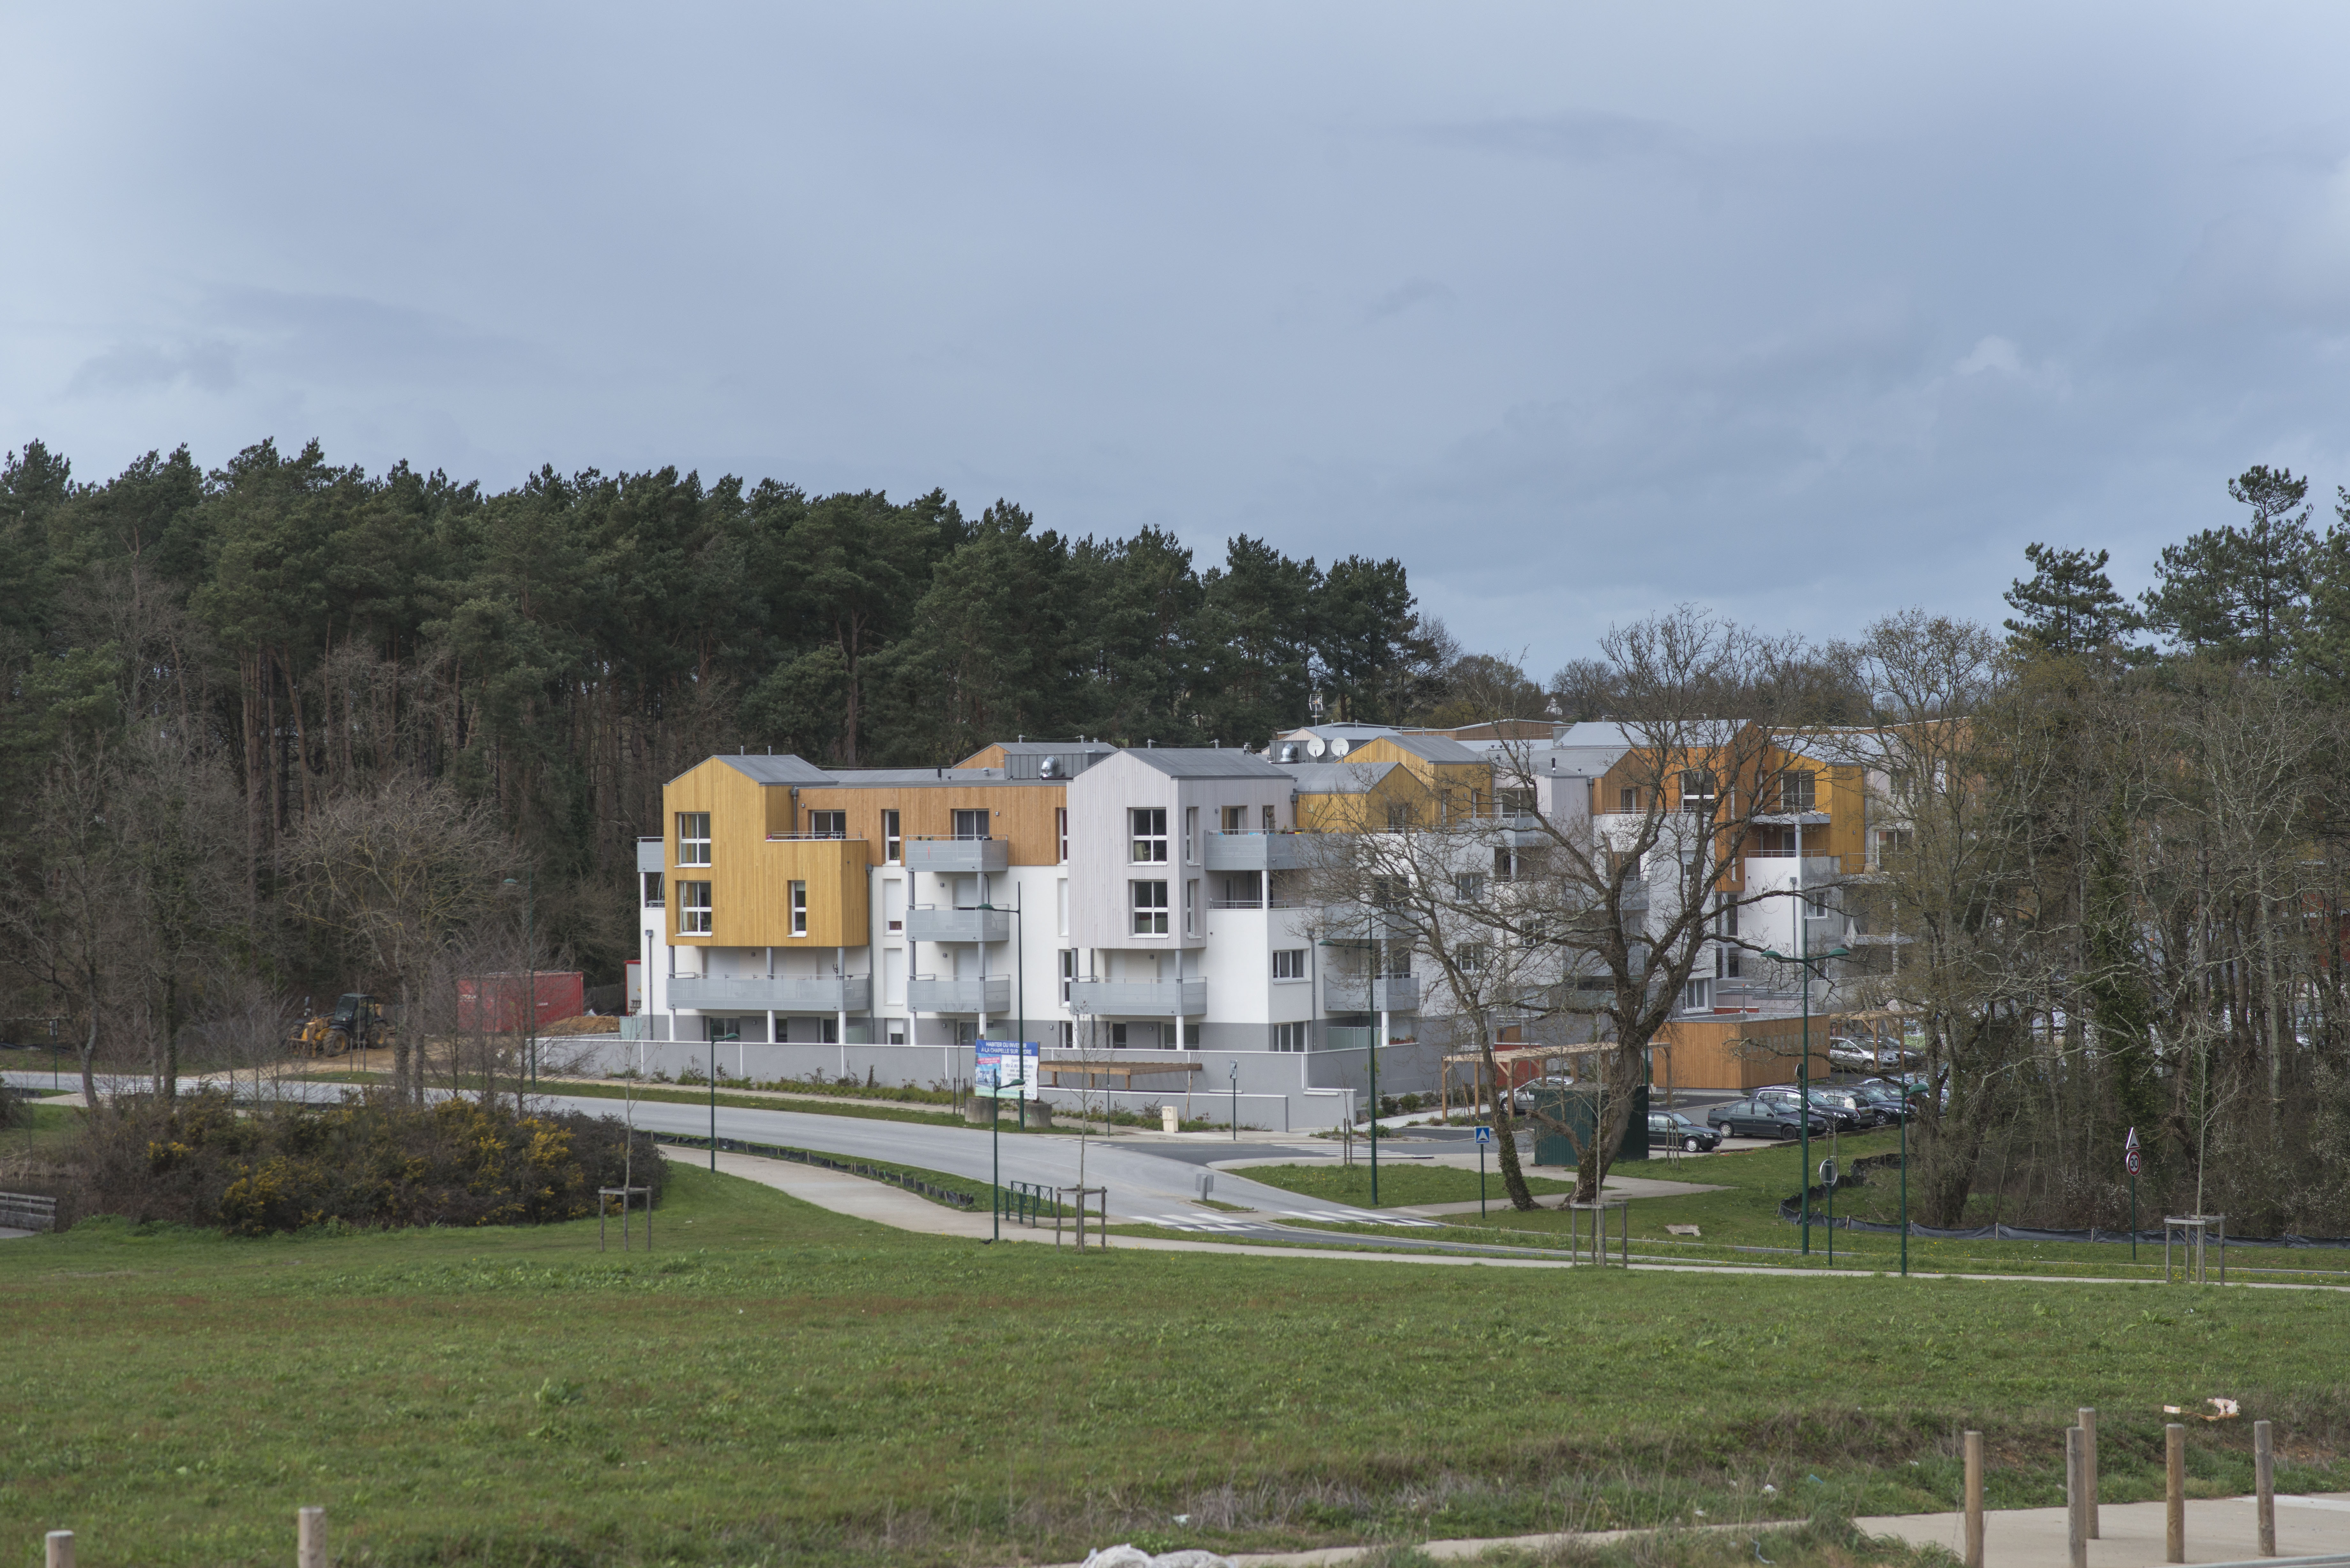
(394, 875)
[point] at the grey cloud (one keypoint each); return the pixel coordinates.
(1572, 136)
(132, 367)
(1396, 301)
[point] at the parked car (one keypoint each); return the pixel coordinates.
(1843, 1119)
(1854, 1055)
(1760, 1119)
(1526, 1096)
(1671, 1129)
(1841, 1098)
(1887, 1099)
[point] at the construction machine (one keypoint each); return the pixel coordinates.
(357, 1023)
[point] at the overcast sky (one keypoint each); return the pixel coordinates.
(1802, 312)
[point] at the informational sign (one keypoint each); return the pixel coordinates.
(1828, 1173)
(1484, 1137)
(1005, 1069)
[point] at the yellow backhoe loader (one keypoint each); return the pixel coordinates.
(356, 1024)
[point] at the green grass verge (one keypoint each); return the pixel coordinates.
(779, 1382)
(672, 1094)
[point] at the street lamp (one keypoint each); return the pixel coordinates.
(1803, 1068)
(1236, 1102)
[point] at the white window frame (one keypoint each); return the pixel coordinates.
(1061, 832)
(1289, 965)
(1191, 907)
(893, 837)
(654, 884)
(692, 834)
(829, 818)
(962, 817)
(800, 909)
(1150, 920)
(1145, 832)
(694, 920)
(1289, 1037)
(1190, 836)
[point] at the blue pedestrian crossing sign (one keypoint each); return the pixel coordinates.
(1484, 1137)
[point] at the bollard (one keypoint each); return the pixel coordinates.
(2089, 1463)
(2174, 1491)
(1974, 1500)
(2076, 1496)
(2264, 1485)
(311, 1538)
(60, 1542)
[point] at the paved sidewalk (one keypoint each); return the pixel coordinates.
(2130, 1534)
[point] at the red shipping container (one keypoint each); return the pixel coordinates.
(494, 1002)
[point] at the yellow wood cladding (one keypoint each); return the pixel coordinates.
(750, 875)
(1367, 811)
(1023, 814)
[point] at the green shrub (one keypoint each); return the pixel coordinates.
(368, 1161)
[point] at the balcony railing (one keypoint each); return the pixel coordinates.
(1357, 993)
(957, 855)
(1139, 998)
(936, 923)
(1257, 851)
(786, 837)
(930, 994)
(780, 993)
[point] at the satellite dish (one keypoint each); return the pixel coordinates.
(1315, 746)
(1050, 768)
(1288, 751)
(1340, 748)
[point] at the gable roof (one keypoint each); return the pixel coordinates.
(769, 769)
(1204, 763)
(1338, 778)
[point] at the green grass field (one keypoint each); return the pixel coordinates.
(779, 1382)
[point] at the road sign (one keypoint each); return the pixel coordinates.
(1484, 1137)
(2131, 1142)
(2130, 1161)
(1005, 1069)
(1828, 1173)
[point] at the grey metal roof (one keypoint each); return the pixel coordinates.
(1205, 763)
(933, 778)
(1435, 748)
(783, 770)
(1337, 778)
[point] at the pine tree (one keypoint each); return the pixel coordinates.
(2068, 605)
(2241, 592)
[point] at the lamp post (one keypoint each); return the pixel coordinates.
(1019, 992)
(1236, 1102)
(1803, 1067)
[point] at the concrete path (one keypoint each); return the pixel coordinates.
(2130, 1534)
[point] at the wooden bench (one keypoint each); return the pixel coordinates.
(28, 1211)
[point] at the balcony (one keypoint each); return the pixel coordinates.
(1257, 851)
(932, 923)
(1139, 998)
(929, 993)
(958, 855)
(783, 994)
(1354, 994)
(652, 854)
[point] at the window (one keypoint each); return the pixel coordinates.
(1627, 800)
(895, 1029)
(1797, 790)
(971, 825)
(693, 909)
(827, 824)
(1506, 865)
(1192, 909)
(1892, 843)
(894, 838)
(1268, 819)
(1061, 832)
(1147, 825)
(1118, 1036)
(831, 1031)
(1289, 1037)
(799, 909)
(1192, 836)
(1190, 1037)
(1399, 817)
(1235, 819)
(693, 838)
(653, 888)
(1068, 970)
(1471, 958)
(1149, 908)
(1515, 802)
(1699, 796)
(1289, 963)
(1698, 996)
(1470, 888)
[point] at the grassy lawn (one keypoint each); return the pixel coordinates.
(673, 1095)
(781, 1383)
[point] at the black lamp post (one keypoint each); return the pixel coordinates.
(1803, 1067)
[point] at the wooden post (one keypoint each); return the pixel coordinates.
(1974, 1500)
(2173, 1487)
(2077, 1497)
(2089, 1463)
(2264, 1485)
(311, 1538)
(60, 1544)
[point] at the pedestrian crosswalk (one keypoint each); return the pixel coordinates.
(1232, 1222)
